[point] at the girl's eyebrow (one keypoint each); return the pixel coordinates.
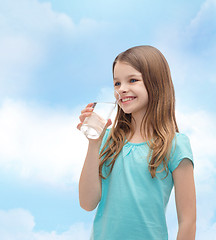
(129, 76)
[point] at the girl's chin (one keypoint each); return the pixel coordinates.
(125, 111)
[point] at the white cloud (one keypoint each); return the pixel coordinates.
(19, 220)
(106, 95)
(36, 20)
(32, 17)
(199, 126)
(19, 56)
(26, 29)
(30, 30)
(18, 224)
(205, 15)
(41, 144)
(201, 30)
(191, 48)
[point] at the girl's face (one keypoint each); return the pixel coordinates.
(128, 82)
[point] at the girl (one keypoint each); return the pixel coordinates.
(131, 169)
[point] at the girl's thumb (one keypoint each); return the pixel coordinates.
(109, 122)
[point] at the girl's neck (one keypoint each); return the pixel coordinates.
(136, 121)
(137, 136)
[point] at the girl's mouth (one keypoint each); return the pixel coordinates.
(127, 99)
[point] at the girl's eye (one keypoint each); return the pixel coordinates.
(117, 84)
(133, 80)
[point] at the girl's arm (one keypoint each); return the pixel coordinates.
(90, 182)
(185, 198)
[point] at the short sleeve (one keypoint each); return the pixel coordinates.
(104, 138)
(181, 149)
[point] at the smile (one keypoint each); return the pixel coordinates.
(127, 99)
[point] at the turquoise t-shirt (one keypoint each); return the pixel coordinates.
(133, 204)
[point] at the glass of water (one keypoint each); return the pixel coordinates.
(93, 125)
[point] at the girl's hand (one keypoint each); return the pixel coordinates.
(86, 112)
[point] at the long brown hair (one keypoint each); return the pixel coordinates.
(160, 113)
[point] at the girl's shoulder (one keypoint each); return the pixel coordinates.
(181, 142)
(180, 134)
(181, 148)
(181, 138)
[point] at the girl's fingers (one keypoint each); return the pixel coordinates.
(89, 105)
(86, 112)
(83, 116)
(87, 109)
(79, 126)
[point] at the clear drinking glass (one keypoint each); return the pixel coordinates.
(93, 125)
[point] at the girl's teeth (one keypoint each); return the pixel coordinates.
(127, 99)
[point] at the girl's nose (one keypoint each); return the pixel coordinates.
(123, 89)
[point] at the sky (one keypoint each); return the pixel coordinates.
(55, 58)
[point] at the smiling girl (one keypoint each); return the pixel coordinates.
(129, 172)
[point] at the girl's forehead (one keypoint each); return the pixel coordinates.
(122, 69)
(121, 64)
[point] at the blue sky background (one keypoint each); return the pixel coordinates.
(55, 57)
